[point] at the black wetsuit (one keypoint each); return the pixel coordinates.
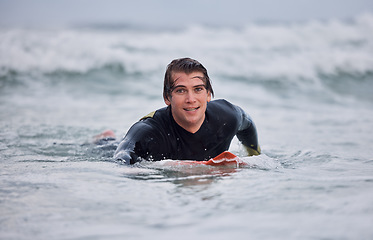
(157, 137)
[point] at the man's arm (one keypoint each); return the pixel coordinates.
(140, 143)
(247, 134)
(129, 148)
(125, 153)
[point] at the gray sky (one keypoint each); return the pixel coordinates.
(174, 13)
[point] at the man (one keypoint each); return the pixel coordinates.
(191, 127)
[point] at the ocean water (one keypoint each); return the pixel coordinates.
(308, 86)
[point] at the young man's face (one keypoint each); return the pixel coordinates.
(188, 100)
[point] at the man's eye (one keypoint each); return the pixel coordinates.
(199, 89)
(180, 90)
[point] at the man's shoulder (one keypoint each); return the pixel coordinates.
(158, 114)
(148, 127)
(223, 111)
(221, 105)
(154, 121)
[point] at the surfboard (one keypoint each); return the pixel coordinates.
(225, 159)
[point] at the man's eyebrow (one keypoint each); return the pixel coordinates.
(199, 85)
(177, 86)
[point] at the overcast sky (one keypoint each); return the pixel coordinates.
(173, 12)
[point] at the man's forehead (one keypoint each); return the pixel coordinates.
(192, 74)
(197, 74)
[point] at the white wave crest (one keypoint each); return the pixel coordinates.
(291, 51)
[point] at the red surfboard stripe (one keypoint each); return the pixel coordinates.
(225, 159)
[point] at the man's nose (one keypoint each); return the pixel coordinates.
(190, 96)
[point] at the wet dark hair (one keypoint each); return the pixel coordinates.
(186, 65)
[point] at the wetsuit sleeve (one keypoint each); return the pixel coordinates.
(134, 146)
(247, 133)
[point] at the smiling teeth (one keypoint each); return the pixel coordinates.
(190, 109)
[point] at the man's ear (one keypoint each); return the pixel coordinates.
(208, 96)
(168, 103)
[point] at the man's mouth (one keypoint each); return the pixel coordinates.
(191, 109)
